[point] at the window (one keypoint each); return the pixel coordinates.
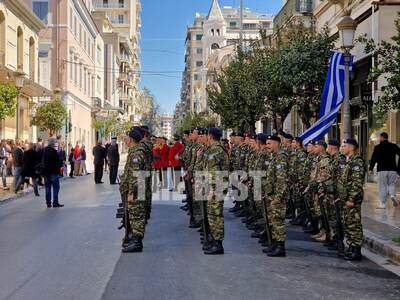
(98, 85)
(218, 32)
(76, 70)
(98, 54)
(266, 25)
(199, 63)
(41, 9)
(212, 32)
(80, 75)
(71, 68)
(250, 26)
(232, 24)
(84, 41)
(199, 50)
(80, 34)
(120, 19)
(75, 27)
(121, 3)
(199, 37)
(197, 77)
(105, 3)
(84, 80)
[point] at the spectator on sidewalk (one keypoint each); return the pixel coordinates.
(106, 164)
(82, 168)
(18, 163)
(174, 157)
(99, 154)
(113, 160)
(63, 157)
(3, 164)
(71, 160)
(51, 171)
(384, 155)
(77, 156)
(31, 160)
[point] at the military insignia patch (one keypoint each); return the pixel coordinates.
(278, 167)
(356, 168)
(135, 161)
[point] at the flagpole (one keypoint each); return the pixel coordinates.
(346, 102)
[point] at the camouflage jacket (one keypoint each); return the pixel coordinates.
(307, 170)
(216, 159)
(275, 184)
(232, 157)
(324, 181)
(241, 157)
(351, 180)
(297, 161)
(136, 161)
(147, 145)
(193, 156)
(338, 166)
(185, 157)
(200, 158)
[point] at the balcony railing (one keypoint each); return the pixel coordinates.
(291, 8)
(102, 4)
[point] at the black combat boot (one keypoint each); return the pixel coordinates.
(194, 224)
(354, 255)
(135, 245)
(314, 227)
(185, 207)
(216, 248)
(126, 241)
(270, 248)
(278, 251)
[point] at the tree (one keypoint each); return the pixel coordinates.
(387, 66)
(304, 62)
(8, 100)
(105, 125)
(50, 116)
(237, 97)
(196, 120)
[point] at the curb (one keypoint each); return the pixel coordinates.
(385, 248)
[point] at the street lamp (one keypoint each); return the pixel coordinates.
(19, 84)
(347, 28)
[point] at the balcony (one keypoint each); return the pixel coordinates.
(290, 9)
(103, 4)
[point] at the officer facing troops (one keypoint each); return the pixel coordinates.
(129, 187)
(275, 187)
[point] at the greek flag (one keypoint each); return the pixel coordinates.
(332, 99)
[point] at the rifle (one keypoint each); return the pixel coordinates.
(205, 226)
(122, 213)
(339, 227)
(325, 220)
(306, 204)
(267, 226)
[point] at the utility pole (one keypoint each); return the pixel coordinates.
(241, 24)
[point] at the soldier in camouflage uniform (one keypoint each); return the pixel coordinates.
(216, 159)
(351, 190)
(185, 158)
(323, 187)
(147, 144)
(297, 160)
(136, 161)
(275, 187)
(234, 163)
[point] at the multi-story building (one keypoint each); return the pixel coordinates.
(71, 54)
(19, 42)
(124, 16)
(219, 29)
(166, 125)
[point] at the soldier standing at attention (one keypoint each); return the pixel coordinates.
(352, 181)
(217, 159)
(136, 161)
(147, 144)
(275, 188)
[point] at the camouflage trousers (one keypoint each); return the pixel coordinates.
(195, 202)
(326, 205)
(353, 226)
(276, 209)
(137, 217)
(215, 215)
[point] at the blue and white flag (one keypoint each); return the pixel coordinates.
(332, 99)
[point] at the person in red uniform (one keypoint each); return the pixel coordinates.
(164, 153)
(174, 156)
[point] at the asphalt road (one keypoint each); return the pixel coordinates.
(74, 253)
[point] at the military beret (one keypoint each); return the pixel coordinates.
(288, 136)
(136, 134)
(239, 133)
(215, 132)
(298, 139)
(321, 143)
(114, 138)
(186, 132)
(274, 138)
(351, 142)
(281, 132)
(203, 131)
(334, 143)
(262, 137)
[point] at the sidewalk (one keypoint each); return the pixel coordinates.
(381, 226)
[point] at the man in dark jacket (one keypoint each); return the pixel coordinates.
(51, 171)
(113, 160)
(99, 153)
(385, 156)
(18, 161)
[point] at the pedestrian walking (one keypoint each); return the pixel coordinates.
(3, 164)
(113, 160)
(384, 155)
(82, 168)
(51, 171)
(31, 160)
(18, 162)
(77, 156)
(99, 154)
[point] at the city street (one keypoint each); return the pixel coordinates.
(74, 253)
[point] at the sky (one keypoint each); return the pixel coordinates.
(164, 24)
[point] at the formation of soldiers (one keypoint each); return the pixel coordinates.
(319, 187)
